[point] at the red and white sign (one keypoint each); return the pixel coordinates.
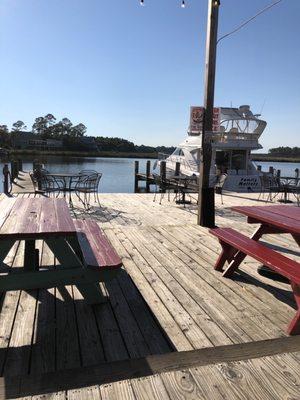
(196, 119)
(216, 119)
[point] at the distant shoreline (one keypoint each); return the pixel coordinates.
(115, 154)
(106, 154)
(270, 158)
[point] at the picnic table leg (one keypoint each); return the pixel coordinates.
(31, 256)
(294, 327)
(226, 255)
(91, 293)
(5, 247)
(67, 253)
(239, 256)
(296, 238)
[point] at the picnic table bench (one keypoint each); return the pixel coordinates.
(84, 253)
(236, 246)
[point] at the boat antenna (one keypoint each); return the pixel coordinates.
(263, 106)
(249, 20)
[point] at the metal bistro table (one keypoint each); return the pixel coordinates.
(183, 184)
(288, 184)
(68, 180)
(48, 219)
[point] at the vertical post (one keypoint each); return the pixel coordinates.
(38, 175)
(6, 179)
(177, 172)
(297, 173)
(177, 168)
(163, 175)
(20, 165)
(278, 173)
(206, 203)
(14, 169)
(136, 180)
(148, 175)
(259, 168)
(271, 170)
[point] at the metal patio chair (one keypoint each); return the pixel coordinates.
(49, 184)
(270, 185)
(86, 186)
(220, 181)
(163, 186)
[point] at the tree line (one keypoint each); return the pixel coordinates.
(47, 127)
(285, 151)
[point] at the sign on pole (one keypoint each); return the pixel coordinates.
(196, 120)
(216, 119)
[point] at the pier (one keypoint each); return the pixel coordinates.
(171, 325)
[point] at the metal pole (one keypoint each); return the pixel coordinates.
(206, 203)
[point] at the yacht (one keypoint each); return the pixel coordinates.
(234, 136)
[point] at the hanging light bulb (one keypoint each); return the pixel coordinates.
(183, 4)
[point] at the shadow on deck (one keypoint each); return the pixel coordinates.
(167, 309)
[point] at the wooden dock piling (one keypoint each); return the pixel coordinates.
(148, 176)
(163, 171)
(6, 179)
(136, 176)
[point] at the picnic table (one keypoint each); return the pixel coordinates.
(272, 219)
(236, 246)
(84, 254)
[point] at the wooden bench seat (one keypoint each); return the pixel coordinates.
(234, 248)
(96, 249)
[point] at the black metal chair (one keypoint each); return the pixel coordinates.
(220, 181)
(48, 184)
(163, 186)
(270, 185)
(86, 186)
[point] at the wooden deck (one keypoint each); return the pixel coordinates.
(167, 302)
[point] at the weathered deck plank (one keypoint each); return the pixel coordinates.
(168, 297)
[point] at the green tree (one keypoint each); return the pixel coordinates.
(5, 139)
(43, 125)
(78, 130)
(18, 126)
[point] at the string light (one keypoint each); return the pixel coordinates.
(182, 3)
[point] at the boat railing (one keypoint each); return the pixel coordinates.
(225, 137)
(188, 165)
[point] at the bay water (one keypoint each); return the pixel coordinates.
(118, 173)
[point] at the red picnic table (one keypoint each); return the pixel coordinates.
(236, 246)
(273, 219)
(85, 255)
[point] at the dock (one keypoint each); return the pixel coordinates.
(171, 328)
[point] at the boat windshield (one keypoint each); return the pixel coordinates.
(178, 152)
(240, 126)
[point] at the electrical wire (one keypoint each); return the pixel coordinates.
(249, 20)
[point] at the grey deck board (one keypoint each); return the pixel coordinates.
(167, 298)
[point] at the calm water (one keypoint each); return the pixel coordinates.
(118, 173)
(287, 169)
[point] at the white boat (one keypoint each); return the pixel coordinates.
(237, 135)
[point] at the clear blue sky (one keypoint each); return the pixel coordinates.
(131, 71)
